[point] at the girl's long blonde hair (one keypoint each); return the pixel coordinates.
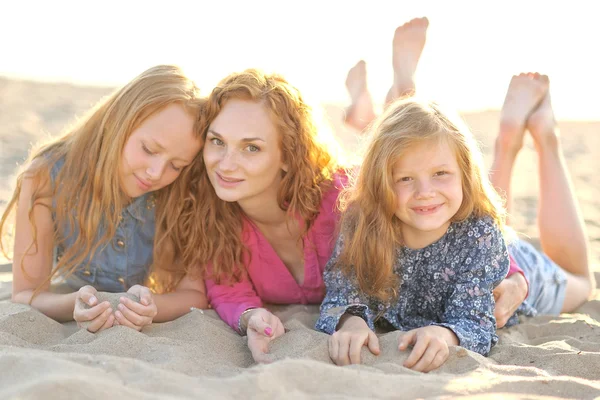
(369, 224)
(210, 229)
(86, 192)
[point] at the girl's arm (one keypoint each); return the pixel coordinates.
(342, 298)
(188, 293)
(37, 261)
(469, 309)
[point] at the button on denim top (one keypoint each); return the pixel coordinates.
(124, 260)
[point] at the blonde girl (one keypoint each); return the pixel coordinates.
(422, 246)
(91, 205)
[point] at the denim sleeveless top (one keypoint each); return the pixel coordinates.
(125, 259)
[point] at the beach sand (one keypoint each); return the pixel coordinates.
(198, 356)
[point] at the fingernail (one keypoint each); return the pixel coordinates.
(93, 300)
(268, 331)
(120, 306)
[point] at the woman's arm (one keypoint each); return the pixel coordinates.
(188, 293)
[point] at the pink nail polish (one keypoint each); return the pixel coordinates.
(268, 331)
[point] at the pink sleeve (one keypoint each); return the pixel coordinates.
(230, 301)
(514, 268)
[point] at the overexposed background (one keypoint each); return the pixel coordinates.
(473, 46)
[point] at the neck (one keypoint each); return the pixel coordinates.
(415, 239)
(264, 209)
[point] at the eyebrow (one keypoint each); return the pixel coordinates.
(396, 170)
(161, 147)
(249, 139)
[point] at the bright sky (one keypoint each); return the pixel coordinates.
(473, 47)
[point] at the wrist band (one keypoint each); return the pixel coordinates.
(243, 333)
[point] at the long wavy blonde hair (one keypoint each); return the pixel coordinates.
(86, 192)
(369, 224)
(210, 229)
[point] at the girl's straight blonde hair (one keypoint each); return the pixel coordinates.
(86, 193)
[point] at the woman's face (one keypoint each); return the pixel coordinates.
(242, 153)
(157, 151)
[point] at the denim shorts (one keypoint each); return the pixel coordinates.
(547, 281)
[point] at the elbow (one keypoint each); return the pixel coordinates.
(200, 301)
(22, 297)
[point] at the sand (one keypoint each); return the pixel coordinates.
(198, 356)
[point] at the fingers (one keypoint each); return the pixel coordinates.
(259, 347)
(501, 320)
(417, 352)
(373, 343)
(148, 310)
(82, 315)
(121, 320)
(426, 360)
(354, 350)
(87, 294)
(439, 359)
(343, 357)
(97, 323)
(258, 325)
(333, 349)
(145, 296)
(407, 339)
(109, 322)
(131, 316)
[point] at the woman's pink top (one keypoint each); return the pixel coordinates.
(269, 279)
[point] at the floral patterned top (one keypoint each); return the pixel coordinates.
(448, 283)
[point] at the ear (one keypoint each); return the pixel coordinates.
(284, 167)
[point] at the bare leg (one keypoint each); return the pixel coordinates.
(562, 230)
(361, 112)
(407, 46)
(524, 93)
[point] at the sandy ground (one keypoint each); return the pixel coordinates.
(199, 356)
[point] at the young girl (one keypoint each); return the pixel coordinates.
(407, 45)
(421, 245)
(89, 202)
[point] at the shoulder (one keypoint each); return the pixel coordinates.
(475, 227)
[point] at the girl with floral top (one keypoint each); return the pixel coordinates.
(421, 245)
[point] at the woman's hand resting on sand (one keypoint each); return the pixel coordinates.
(261, 326)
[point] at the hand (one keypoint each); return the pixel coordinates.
(89, 314)
(430, 347)
(263, 327)
(509, 295)
(345, 343)
(133, 314)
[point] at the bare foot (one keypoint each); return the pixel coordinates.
(541, 124)
(525, 92)
(407, 46)
(361, 112)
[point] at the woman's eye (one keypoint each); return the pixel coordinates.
(404, 179)
(252, 148)
(441, 173)
(216, 141)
